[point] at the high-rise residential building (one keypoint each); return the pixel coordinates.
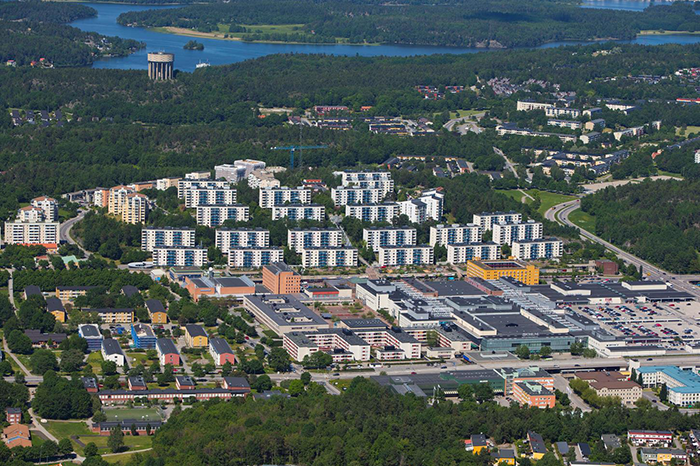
(506, 233)
(454, 234)
(405, 255)
(542, 248)
(367, 179)
(179, 256)
(344, 195)
(329, 257)
(153, 237)
(385, 212)
(299, 239)
(185, 184)
(33, 233)
(270, 197)
(428, 206)
(31, 214)
(213, 216)
(100, 197)
(254, 257)
(228, 238)
(486, 220)
(279, 278)
(196, 196)
(460, 253)
(299, 212)
(389, 236)
(48, 205)
(127, 204)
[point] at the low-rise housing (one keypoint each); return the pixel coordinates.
(91, 333)
(664, 455)
(114, 315)
(167, 352)
(662, 438)
(220, 350)
(196, 336)
(156, 311)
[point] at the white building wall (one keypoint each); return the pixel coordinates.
(461, 253)
(329, 257)
(405, 255)
(213, 216)
(376, 237)
(298, 239)
(227, 239)
(299, 212)
(153, 237)
(455, 234)
(254, 257)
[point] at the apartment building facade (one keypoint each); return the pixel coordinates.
(270, 197)
(486, 220)
(344, 195)
(507, 232)
(179, 256)
(213, 216)
(296, 212)
(405, 255)
(329, 257)
(375, 237)
(228, 238)
(384, 212)
(252, 258)
(455, 234)
(197, 196)
(299, 239)
(464, 252)
(153, 237)
(542, 248)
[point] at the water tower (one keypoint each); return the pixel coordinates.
(160, 65)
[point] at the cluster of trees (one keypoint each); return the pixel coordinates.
(106, 236)
(463, 24)
(368, 424)
(33, 30)
(60, 398)
(112, 279)
(667, 236)
(589, 395)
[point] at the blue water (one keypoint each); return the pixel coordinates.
(221, 52)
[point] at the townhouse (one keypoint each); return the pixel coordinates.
(375, 237)
(228, 238)
(299, 239)
(170, 395)
(455, 234)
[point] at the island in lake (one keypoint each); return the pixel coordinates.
(193, 45)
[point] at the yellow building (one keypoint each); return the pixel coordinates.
(495, 269)
(196, 336)
(69, 293)
(55, 307)
(156, 311)
(114, 316)
(476, 443)
(502, 456)
(126, 203)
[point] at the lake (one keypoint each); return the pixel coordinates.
(221, 52)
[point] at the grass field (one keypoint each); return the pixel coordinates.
(548, 199)
(80, 430)
(132, 413)
(95, 361)
(464, 113)
(124, 458)
(688, 130)
(583, 220)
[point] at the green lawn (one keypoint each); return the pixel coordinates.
(132, 413)
(139, 358)
(95, 360)
(63, 430)
(548, 199)
(583, 220)
(123, 458)
(464, 113)
(689, 129)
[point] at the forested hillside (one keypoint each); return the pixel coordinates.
(367, 425)
(655, 220)
(490, 23)
(33, 30)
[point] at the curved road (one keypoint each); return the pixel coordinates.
(560, 213)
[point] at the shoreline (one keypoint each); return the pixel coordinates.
(655, 32)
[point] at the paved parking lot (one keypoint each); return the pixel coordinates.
(673, 324)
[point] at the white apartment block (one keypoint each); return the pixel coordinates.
(428, 206)
(262, 179)
(389, 236)
(455, 234)
(152, 237)
(385, 212)
(166, 183)
(198, 175)
(486, 220)
(461, 253)
(270, 197)
(300, 345)
(299, 239)
(344, 195)
(229, 238)
(570, 124)
(48, 205)
(526, 106)
(506, 233)
(562, 112)
(252, 258)
(238, 171)
(184, 185)
(329, 257)
(179, 256)
(31, 214)
(213, 216)
(405, 255)
(299, 212)
(697, 156)
(210, 196)
(367, 179)
(543, 248)
(29, 233)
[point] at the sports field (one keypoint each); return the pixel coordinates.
(138, 414)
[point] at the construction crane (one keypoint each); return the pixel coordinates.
(293, 149)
